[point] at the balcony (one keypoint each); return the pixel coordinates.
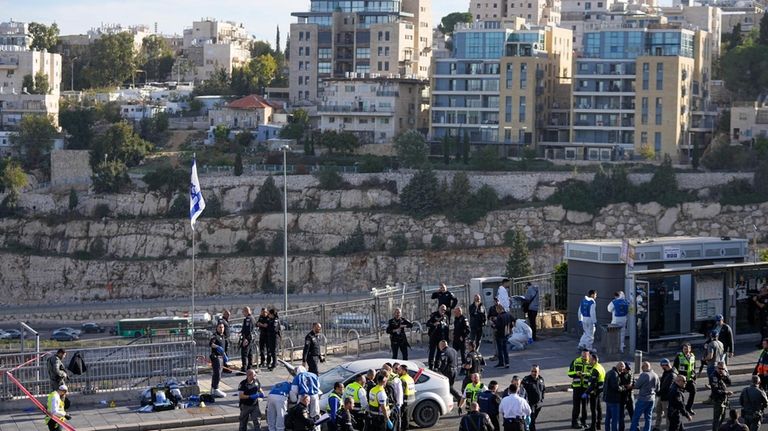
(368, 110)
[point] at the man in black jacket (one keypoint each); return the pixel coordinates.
(396, 329)
(666, 381)
(677, 406)
(225, 320)
(263, 324)
(444, 297)
(725, 335)
(447, 366)
(753, 402)
(477, 320)
(627, 381)
(297, 418)
(437, 328)
(310, 355)
(613, 394)
(475, 420)
(535, 388)
(246, 339)
(719, 385)
(460, 332)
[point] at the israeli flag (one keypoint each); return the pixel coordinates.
(196, 201)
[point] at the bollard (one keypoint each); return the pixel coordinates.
(638, 359)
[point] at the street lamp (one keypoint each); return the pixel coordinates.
(72, 73)
(285, 149)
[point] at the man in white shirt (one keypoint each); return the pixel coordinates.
(514, 409)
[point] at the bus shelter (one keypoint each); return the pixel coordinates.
(675, 285)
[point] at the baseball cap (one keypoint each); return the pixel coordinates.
(664, 361)
(718, 317)
(63, 388)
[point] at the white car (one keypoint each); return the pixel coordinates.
(433, 397)
(234, 331)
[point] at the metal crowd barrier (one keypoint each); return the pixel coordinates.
(108, 368)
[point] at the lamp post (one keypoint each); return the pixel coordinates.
(285, 149)
(72, 73)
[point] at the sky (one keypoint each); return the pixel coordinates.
(259, 16)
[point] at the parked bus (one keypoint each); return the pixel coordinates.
(155, 326)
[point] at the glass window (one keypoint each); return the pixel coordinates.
(646, 73)
(521, 109)
(658, 111)
(660, 76)
(644, 111)
(657, 142)
(508, 109)
(523, 76)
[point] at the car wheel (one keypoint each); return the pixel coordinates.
(426, 414)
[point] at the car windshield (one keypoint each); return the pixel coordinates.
(337, 374)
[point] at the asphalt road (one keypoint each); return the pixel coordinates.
(556, 414)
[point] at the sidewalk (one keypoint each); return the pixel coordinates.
(554, 353)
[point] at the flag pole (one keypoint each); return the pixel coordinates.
(196, 207)
(192, 313)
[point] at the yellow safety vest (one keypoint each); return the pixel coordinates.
(579, 364)
(409, 386)
(600, 375)
(686, 366)
(473, 391)
(373, 398)
(353, 391)
(338, 397)
(49, 405)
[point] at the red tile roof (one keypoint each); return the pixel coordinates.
(253, 102)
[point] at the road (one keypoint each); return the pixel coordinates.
(556, 414)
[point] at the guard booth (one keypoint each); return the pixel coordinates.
(675, 285)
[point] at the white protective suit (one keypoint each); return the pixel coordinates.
(521, 333)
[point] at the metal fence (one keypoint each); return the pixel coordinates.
(552, 290)
(109, 368)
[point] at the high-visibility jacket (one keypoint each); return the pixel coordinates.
(762, 364)
(409, 387)
(597, 377)
(686, 366)
(353, 391)
(580, 365)
(473, 390)
(55, 406)
(340, 404)
(373, 399)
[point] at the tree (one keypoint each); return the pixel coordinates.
(421, 196)
(238, 164)
(121, 144)
(736, 38)
(269, 198)
(110, 177)
(459, 194)
(113, 60)
(762, 37)
(517, 263)
(41, 83)
(34, 141)
(156, 58)
(259, 48)
(448, 23)
(744, 70)
(167, 180)
(252, 78)
(297, 126)
(412, 149)
(335, 142)
(663, 186)
(44, 37)
(219, 84)
(277, 41)
(445, 143)
(12, 180)
(465, 149)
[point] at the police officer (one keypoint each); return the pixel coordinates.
(719, 383)
(356, 391)
(580, 371)
(685, 364)
(273, 333)
(409, 395)
(534, 386)
(311, 353)
(753, 402)
(473, 362)
(438, 328)
(447, 366)
(619, 309)
(446, 298)
(218, 358)
(677, 406)
(595, 391)
(460, 332)
(588, 319)
(335, 405)
(249, 392)
(472, 390)
(489, 402)
(761, 369)
(246, 339)
(225, 320)
(56, 407)
(514, 409)
(396, 329)
(263, 324)
(477, 320)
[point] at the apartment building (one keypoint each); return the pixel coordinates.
(357, 38)
(138, 32)
(536, 12)
(636, 90)
(211, 45)
(535, 87)
(375, 109)
(749, 120)
(707, 18)
(14, 34)
(464, 86)
(609, 15)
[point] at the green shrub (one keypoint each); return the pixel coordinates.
(399, 245)
(420, 197)
(354, 244)
(179, 208)
(101, 211)
(575, 195)
(243, 247)
(277, 246)
(167, 180)
(518, 264)
(371, 164)
(73, 200)
(438, 242)
(269, 198)
(330, 179)
(487, 159)
(738, 192)
(213, 208)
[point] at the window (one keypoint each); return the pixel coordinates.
(587, 5)
(521, 113)
(658, 111)
(660, 76)
(646, 74)
(523, 76)
(657, 142)
(644, 111)
(508, 109)
(643, 138)
(386, 36)
(324, 67)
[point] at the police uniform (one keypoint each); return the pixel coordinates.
(217, 343)
(472, 391)
(359, 396)
(246, 342)
(376, 398)
(761, 369)
(225, 322)
(580, 371)
(335, 406)
(249, 407)
(687, 367)
(619, 309)
(397, 337)
(489, 404)
(476, 322)
(273, 332)
(475, 361)
(460, 334)
(263, 320)
(311, 352)
(596, 382)
(437, 330)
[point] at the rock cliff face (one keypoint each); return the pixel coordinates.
(145, 258)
